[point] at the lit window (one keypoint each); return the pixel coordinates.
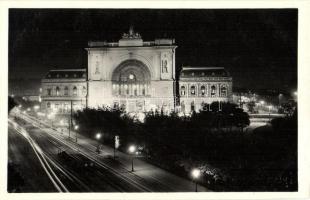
(203, 90)
(193, 74)
(183, 92)
(66, 75)
(74, 75)
(213, 91)
(57, 91)
(223, 91)
(193, 90)
(74, 91)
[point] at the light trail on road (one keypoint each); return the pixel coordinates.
(39, 153)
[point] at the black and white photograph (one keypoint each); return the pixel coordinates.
(152, 100)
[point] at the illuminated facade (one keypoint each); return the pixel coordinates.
(136, 76)
(199, 86)
(132, 74)
(63, 88)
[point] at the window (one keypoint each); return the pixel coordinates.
(223, 91)
(192, 106)
(193, 90)
(57, 91)
(66, 91)
(84, 91)
(74, 91)
(49, 91)
(203, 90)
(182, 106)
(48, 105)
(135, 90)
(213, 91)
(183, 93)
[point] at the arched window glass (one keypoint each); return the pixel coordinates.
(203, 90)
(57, 91)
(223, 91)
(66, 91)
(183, 92)
(193, 90)
(213, 91)
(74, 91)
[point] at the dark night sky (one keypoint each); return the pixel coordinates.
(258, 47)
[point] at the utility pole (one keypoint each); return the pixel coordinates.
(70, 119)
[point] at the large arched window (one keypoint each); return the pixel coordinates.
(202, 90)
(223, 91)
(213, 91)
(182, 91)
(74, 91)
(66, 91)
(57, 91)
(193, 90)
(131, 78)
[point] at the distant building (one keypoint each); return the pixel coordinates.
(199, 86)
(136, 76)
(63, 88)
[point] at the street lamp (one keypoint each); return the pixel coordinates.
(76, 127)
(132, 150)
(195, 175)
(269, 108)
(98, 136)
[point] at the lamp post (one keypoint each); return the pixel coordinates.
(98, 136)
(76, 127)
(269, 108)
(195, 175)
(132, 150)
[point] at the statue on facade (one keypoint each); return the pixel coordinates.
(131, 34)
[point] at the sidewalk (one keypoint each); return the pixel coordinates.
(142, 168)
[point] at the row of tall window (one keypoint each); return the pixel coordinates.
(203, 91)
(63, 107)
(65, 91)
(130, 89)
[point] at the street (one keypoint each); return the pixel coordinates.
(77, 167)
